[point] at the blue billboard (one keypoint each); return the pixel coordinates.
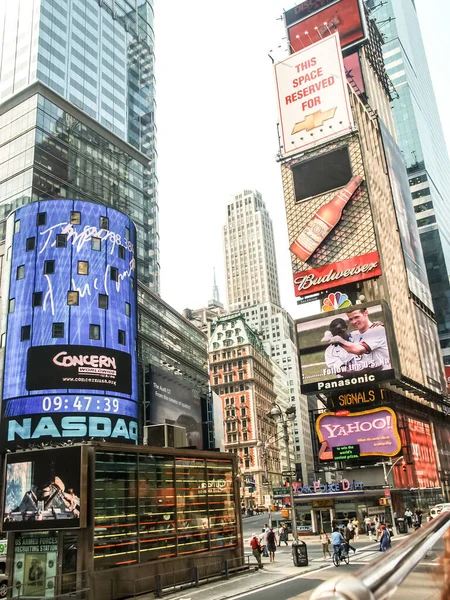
(69, 325)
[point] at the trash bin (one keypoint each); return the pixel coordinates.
(402, 526)
(300, 554)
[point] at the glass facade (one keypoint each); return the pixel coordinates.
(149, 507)
(99, 56)
(420, 137)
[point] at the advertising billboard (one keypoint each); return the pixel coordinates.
(421, 470)
(312, 96)
(406, 219)
(44, 490)
(315, 19)
(69, 325)
(347, 348)
(373, 432)
(173, 400)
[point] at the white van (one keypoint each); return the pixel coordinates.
(439, 508)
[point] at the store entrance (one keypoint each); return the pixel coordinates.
(323, 520)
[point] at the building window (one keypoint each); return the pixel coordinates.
(245, 436)
(132, 282)
(103, 301)
(121, 251)
(36, 299)
(247, 463)
(17, 226)
(94, 332)
(127, 233)
(114, 274)
(72, 298)
(30, 244)
(20, 273)
(104, 223)
(83, 267)
(25, 333)
(75, 218)
(122, 337)
(96, 244)
(49, 267)
(58, 330)
(127, 309)
(243, 411)
(242, 398)
(61, 240)
(41, 218)
(12, 304)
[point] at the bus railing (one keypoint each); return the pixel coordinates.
(380, 580)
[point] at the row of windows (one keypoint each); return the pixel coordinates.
(58, 332)
(61, 242)
(75, 219)
(73, 298)
(82, 269)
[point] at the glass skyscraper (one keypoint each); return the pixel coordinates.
(421, 140)
(77, 107)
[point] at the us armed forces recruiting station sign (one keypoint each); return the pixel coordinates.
(312, 95)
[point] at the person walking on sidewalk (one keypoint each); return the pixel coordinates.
(385, 540)
(355, 523)
(282, 536)
(408, 516)
(256, 549)
(272, 544)
(325, 541)
(348, 536)
(263, 542)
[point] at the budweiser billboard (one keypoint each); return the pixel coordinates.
(342, 272)
(312, 96)
(374, 431)
(345, 348)
(316, 19)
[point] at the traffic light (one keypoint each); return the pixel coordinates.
(383, 502)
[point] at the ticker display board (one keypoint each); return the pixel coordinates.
(70, 362)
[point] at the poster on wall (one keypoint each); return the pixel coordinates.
(175, 401)
(374, 432)
(347, 348)
(44, 489)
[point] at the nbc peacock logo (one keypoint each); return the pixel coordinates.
(334, 301)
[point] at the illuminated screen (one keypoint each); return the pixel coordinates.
(345, 349)
(322, 174)
(43, 490)
(344, 16)
(70, 367)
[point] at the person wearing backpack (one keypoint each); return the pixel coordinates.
(256, 549)
(349, 534)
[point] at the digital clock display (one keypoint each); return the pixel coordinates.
(70, 363)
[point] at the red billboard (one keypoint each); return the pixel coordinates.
(421, 470)
(447, 378)
(344, 16)
(342, 272)
(353, 72)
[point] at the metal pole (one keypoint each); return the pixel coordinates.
(394, 525)
(293, 516)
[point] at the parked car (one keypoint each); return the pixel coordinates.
(436, 510)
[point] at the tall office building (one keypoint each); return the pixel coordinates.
(253, 290)
(421, 140)
(77, 110)
(249, 247)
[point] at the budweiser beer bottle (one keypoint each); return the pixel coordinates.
(324, 220)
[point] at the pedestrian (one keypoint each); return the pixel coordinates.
(263, 542)
(367, 524)
(408, 517)
(282, 536)
(385, 540)
(337, 539)
(271, 544)
(419, 516)
(348, 536)
(355, 524)
(325, 541)
(256, 549)
(377, 528)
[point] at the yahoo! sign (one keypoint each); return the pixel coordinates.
(375, 431)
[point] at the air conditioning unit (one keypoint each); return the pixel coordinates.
(165, 436)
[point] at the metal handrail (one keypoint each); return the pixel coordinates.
(380, 580)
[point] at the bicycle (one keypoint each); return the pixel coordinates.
(340, 555)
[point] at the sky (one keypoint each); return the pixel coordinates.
(217, 129)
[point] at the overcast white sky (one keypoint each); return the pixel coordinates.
(216, 120)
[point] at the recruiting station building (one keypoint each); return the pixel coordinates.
(79, 494)
(355, 247)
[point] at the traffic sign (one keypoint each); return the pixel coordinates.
(289, 473)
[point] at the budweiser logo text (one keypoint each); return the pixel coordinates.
(311, 280)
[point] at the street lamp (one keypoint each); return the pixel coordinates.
(386, 475)
(284, 418)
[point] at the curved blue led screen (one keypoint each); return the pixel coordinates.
(69, 326)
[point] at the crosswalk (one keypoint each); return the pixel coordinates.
(360, 557)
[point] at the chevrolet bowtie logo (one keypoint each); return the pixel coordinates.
(314, 120)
